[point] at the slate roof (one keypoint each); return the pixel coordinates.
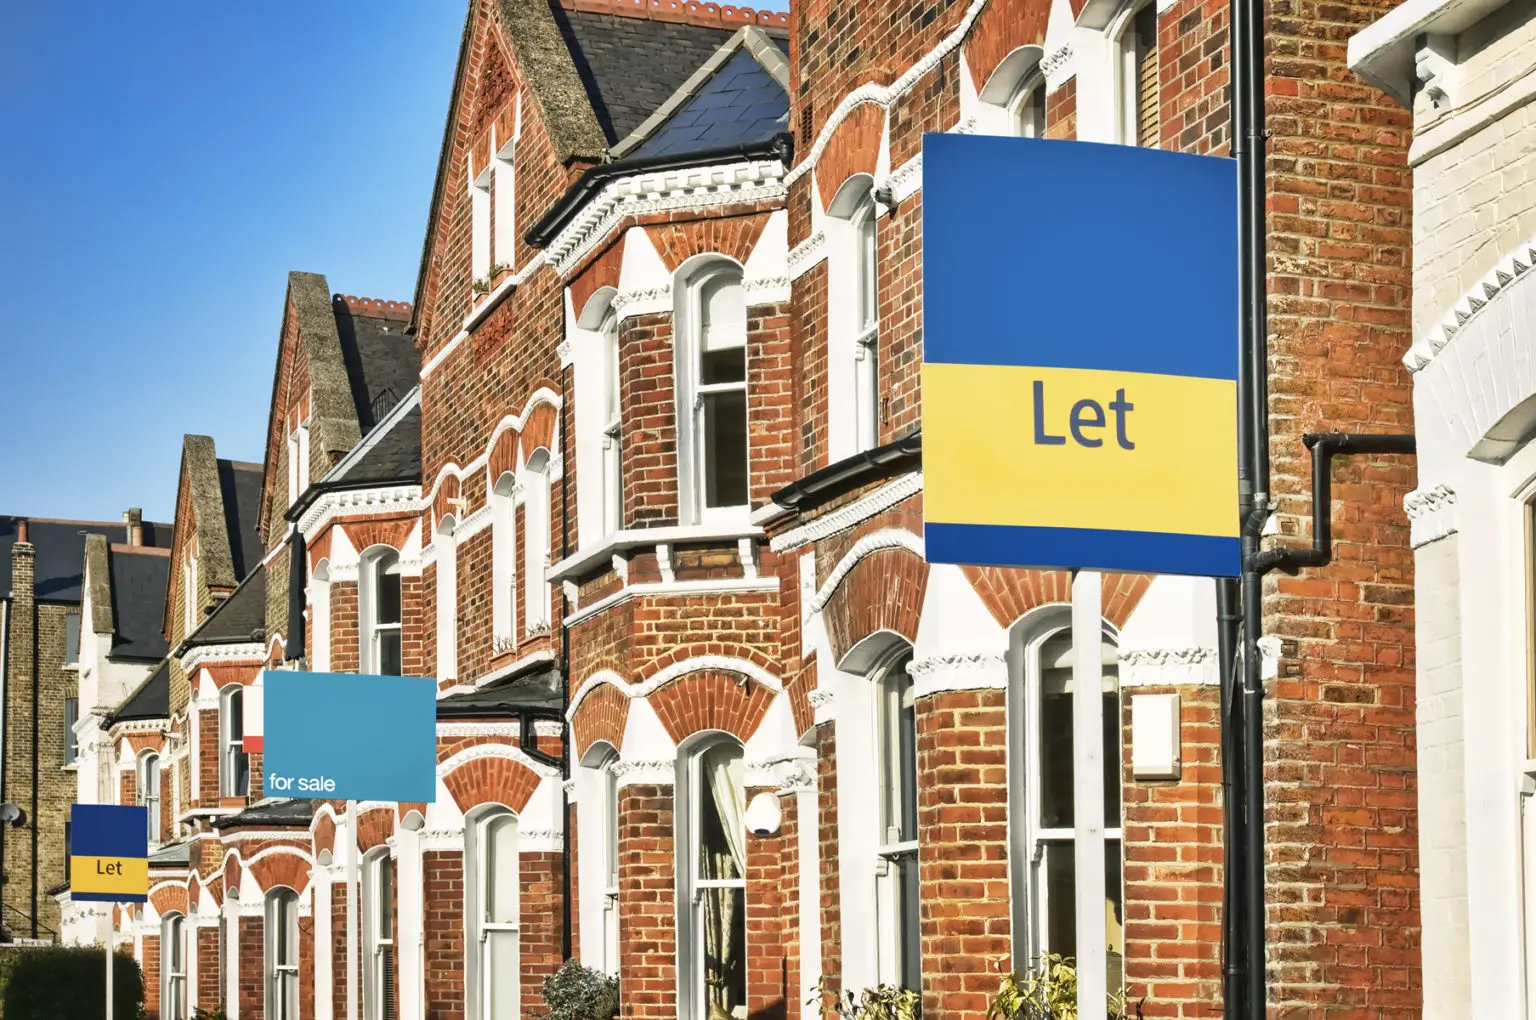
(240, 485)
(179, 855)
(140, 582)
(238, 619)
(740, 103)
(630, 66)
(151, 701)
(389, 453)
(540, 690)
(61, 552)
(284, 811)
(382, 362)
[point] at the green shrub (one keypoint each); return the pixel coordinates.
(575, 992)
(883, 1002)
(1047, 993)
(69, 983)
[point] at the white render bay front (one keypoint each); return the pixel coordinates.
(1465, 71)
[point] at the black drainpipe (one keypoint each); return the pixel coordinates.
(1228, 617)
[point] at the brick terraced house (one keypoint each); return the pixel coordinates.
(637, 478)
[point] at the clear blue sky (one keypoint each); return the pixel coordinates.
(164, 165)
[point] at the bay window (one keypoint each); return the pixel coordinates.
(234, 763)
(613, 507)
(536, 538)
(712, 856)
(282, 955)
(380, 610)
(493, 910)
(712, 393)
(379, 938)
(896, 910)
(504, 562)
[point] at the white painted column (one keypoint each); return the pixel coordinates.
(808, 830)
(1088, 788)
(410, 946)
(320, 879)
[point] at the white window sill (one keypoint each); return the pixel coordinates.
(583, 560)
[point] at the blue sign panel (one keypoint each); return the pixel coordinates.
(1080, 344)
(346, 736)
(108, 853)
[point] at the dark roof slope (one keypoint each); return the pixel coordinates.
(139, 587)
(741, 103)
(151, 701)
(240, 618)
(272, 812)
(240, 484)
(539, 690)
(630, 65)
(382, 362)
(61, 551)
(390, 453)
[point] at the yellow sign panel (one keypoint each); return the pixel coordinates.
(126, 876)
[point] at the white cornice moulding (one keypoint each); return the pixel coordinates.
(392, 499)
(1158, 667)
(253, 652)
(808, 254)
(720, 663)
(627, 304)
(1432, 515)
(854, 513)
(979, 671)
(655, 772)
(886, 538)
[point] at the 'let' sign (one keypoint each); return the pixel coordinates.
(1080, 343)
(108, 853)
(349, 736)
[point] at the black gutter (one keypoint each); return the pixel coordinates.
(780, 147)
(1324, 446)
(850, 473)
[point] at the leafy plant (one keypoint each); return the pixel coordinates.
(58, 983)
(208, 1014)
(575, 992)
(883, 1002)
(1049, 992)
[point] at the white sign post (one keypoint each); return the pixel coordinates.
(1088, 788)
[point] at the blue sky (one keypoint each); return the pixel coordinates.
(165, 165)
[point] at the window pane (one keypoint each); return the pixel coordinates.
(727, 366)
(1111, 752)
(234, 710)
(910, 931)
(725, 449)
(868, 308)
(501, 870)
(72, 637)
(723, 939)
(1055, 741)
(386, 900)
(388, 589)
(501, 975)
(389, 653)
(1060, 888)
(898, 728)
(722, 313)
(722, 814)
(240, 766)
(611, 799)
(71, 742)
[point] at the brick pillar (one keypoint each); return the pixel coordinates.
(962, 824)
(208, 967)
(647, 903)
(150, 965)
(443, 934)
(17, 915)
(251, 960)
(339, 950)
(831, 883)
(770, 996)
(539, 940)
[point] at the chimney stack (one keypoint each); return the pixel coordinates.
(21, 530)
(134, 518)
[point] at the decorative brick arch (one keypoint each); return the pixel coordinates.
(502, 458)
(733, 236)
(882, 591)
(1122, 594)
(320, 548)
(492, 776)
(799, 689)
(374, 826)
(324, 837)
(364, 534)
(233, 872)
(169, 899)
(602, 715)
(1009, 594)
(539, 428)
(442, 503)
(711, 699)
(281, 866)
(1001, 28)
(599, 273)
(854, 148)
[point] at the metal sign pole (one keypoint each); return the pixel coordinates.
(353, 931)
(111, 925)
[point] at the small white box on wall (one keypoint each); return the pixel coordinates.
(1157, 749)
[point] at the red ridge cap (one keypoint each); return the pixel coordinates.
(686, 12)
(375, 308)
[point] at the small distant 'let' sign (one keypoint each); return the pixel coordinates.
(108, 853)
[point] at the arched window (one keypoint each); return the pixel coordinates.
(504, 562)
(610, 865)
(380, 611)
(1042, 816)
(712, 394)
(320, 617)
(234, 763)
(379, 937)
(1013, 99)
(613, 505)
(1026, 109)
(148, 782)
(282, 955)
(536, 537)
(494, 898)
(712, 877)
(1137, 96)
(897, 919)
(853, 379)
(173, 967)
(447, 601)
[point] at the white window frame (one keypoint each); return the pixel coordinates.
(480, 222)
(895, 849)
(231, 743)
(379, 960)
(447, 601)
(610, 811)
(320, 618)
(71, 737)
(375, 563)
(504, 562)
(504, 171)
(536, 540)
(281, 977)
(1027, 117)
(691, 393)
(693, 1000)
(173, 952)
(1127, 77)
(189, 599)
(613, 435)
(478, 864)
(866, 338)
(1029, 841)
(147, 790)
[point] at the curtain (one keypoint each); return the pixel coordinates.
(723, 855)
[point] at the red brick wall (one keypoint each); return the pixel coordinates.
(647, 903)
(539, 941)
(771, 917)
(443, 882)
(252, 961)
(649, 469)
(339, 929)
(831, 882)
(208, 991)
(150, 964)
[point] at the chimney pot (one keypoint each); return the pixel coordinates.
(134, 518)
(21, 531)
